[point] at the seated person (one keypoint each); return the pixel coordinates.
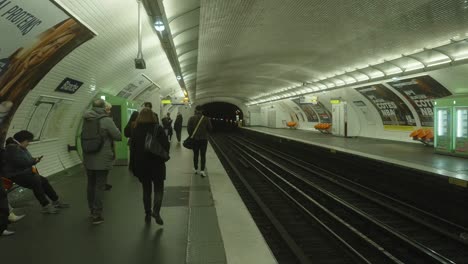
(4, 211)
(18, 167)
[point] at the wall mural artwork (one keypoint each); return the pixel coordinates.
(36, 35)
(392, 109)
(421, 93)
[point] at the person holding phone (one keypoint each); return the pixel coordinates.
(19, 167)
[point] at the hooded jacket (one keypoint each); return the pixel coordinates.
(17, 161)
(104, 158)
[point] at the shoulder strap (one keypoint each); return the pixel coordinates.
(196, 128)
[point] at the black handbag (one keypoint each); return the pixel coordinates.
(188, 143)
(153, 146)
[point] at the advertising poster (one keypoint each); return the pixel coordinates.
(421, 92)
(136, 87)
(36, 35)
(308, 110)
(392, 110)
(324, 115)
(315, 112)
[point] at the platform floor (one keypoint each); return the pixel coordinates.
(205, 222)
(406, 154)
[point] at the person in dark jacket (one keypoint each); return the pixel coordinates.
(150, 169)
(178, 126)
(150, 106)
(167, 125)
(200, 138)
(128, 131)
(19, 167)
(100, 163)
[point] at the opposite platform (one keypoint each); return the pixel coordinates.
(405, 154)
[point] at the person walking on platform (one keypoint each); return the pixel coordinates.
(18, 166)
(97, 135)
(128, 131)
(178, 126)
(167, 125)
(149, 168)
(109, 113)
(149, 105)
(202, 125)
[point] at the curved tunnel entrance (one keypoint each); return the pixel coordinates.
(224, 116)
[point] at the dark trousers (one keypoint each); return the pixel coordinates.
(168, 132)
(4, 212)
(150, 184)
(97, 180)
(199, 149)
(178, 134)
(4, 209)
(39, 185)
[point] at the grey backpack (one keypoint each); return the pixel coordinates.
(91, 137)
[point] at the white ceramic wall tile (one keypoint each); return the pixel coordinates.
(106, 62)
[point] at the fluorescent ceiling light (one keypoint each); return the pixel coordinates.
(159, 25)
(438, 63)
(415, 67)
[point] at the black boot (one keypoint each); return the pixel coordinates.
(148, 218)
(158, 219)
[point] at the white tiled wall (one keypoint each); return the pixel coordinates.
(106, 62)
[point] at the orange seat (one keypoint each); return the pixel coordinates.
(429, 135)
(291, 124)
(415, 133)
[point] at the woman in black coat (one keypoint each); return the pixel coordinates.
(128, 134)
(149, 168)
(178, 126)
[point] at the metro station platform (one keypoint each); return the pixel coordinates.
(406, 154)
(205, 221)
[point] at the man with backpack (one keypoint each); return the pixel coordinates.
(97, 135)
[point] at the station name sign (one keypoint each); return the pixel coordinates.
(69, 86)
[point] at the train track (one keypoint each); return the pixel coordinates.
(324, 218)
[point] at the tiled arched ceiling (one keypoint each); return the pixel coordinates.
(115, 47)
(249, 47)
(183, 17)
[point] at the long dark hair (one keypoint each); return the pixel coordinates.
(134, 116)
(146, 116)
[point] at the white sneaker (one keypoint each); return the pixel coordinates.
(195, 171)
(8, 233)
(203, 173)
(15, 218)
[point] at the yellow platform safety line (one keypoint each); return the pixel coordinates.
(458, 182)
(399, 128)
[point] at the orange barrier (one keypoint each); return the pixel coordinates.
(424, 135)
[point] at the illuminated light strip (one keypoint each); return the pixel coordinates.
(324, 83)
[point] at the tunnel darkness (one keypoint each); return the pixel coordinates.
(223, 115)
